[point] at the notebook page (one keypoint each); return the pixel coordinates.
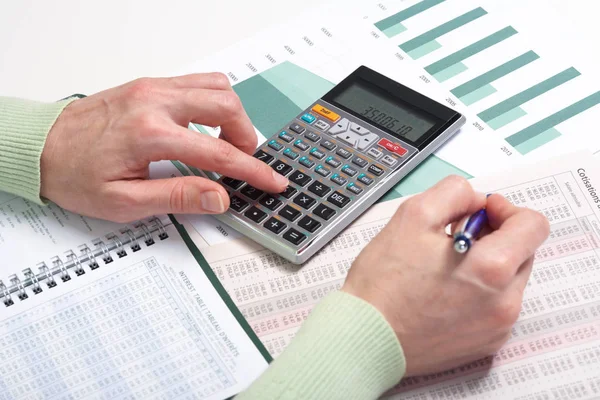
(554, 351)
(149, 326)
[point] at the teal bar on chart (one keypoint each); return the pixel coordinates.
(493, 113)
(392, 25)
(478, 94)
(506, 118)
(493, 75)
(438, 67)
(450, 72)
(422, 44)
(542, 132)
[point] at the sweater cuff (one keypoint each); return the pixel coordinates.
(346, 349)
(24, 126)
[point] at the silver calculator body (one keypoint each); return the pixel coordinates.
(341, 154)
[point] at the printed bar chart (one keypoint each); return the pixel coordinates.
(452, 65)
(544, 131)
(392, 25)
(426, 43)
(480, 87)
(509, 110)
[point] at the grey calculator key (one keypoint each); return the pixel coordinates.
(388, 160)
(251, 192)
(322, 125)
(270, 202)
(321, 170)
(289, 213)
(316, 153)
(361, 162)
(309, 224)
(264, 157)
(288, 192)
(338, 199)
(349, 137)
(375, 170)
(345, 154)
(338, 179)
(300, 178)
(275, 145)
(302, 145)
(285, 136)
(358, 129)
(328, 145)
(255, 214)
(235, 184)
(334, 162)
(354, 188)
(364, 178)
(319, 189)
(275, 226)
(366, 141)
(281, 167)
(297, 128)
(322, 211)
(348, 170)
(291, 154)
(306, 162)
(341, 126)
(294, 236)
(374, 153)
(313, 137)
(237, 204)
(304, 201)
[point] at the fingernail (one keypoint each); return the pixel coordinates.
(280, 179)
(212, 202)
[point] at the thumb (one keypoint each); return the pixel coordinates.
(182, 195)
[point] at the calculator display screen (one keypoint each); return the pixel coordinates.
(385, 111)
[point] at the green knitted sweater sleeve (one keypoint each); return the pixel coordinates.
(24, 126)
(344, 350)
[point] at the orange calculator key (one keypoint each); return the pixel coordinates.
(325, 112)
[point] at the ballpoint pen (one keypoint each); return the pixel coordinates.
(463, 238)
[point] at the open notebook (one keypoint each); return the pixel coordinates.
(95, 310)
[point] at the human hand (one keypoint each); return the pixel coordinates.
(446, 308)
(96, 157)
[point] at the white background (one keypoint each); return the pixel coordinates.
(51, 49)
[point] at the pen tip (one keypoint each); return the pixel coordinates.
(461, 246)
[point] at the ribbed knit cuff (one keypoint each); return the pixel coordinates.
(24, 126)
(344, 350)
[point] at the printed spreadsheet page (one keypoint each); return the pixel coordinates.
(554, 351)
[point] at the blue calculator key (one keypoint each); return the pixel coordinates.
(338, 179)
(283, 135)
(354, 188)
(316, 153)
(321, 170)
(302, 145)
(289, 153)
(334, 162)
(306, 162)
(275, 145)
(346, 169)
(364, 178)
(308, 118)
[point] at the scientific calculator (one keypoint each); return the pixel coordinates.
(341, 154)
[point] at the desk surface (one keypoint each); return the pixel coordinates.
(52, 49)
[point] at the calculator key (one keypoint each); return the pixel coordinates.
(338, 179)
(345, 154)
(365, 179)
(305, 161)
(291, 154)
(251, 192)
(393, 147)
(297, 128)
(300, 178)
(328, 145)
(316, 153)
(285, 136)
(322, 211)
(322, 125)
(365, 141)
(338, 199)
(233, 183)
(294, 236)
(313, 137)
(361, 162)
(270, 202)
(309, 224)
(341, 126)
(237, 204)
(325, 112)
(282, 167)
(389, 161)
(348, 170)
(319, 189)
(255, 214)
(290, 213)
(321, 170)
(275, 145)
(334, 162)
(375, 153)
(375, 170)
(288, 192)
(308, 118)
(275, 225)
(264, 157)
(302, 145)
(354, 188)
(349, 138)
(358, 129)
(304, 201)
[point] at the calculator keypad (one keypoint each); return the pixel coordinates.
(330, 160)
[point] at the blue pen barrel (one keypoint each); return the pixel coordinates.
(476, 223)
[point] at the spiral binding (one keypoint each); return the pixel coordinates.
(73, 263)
